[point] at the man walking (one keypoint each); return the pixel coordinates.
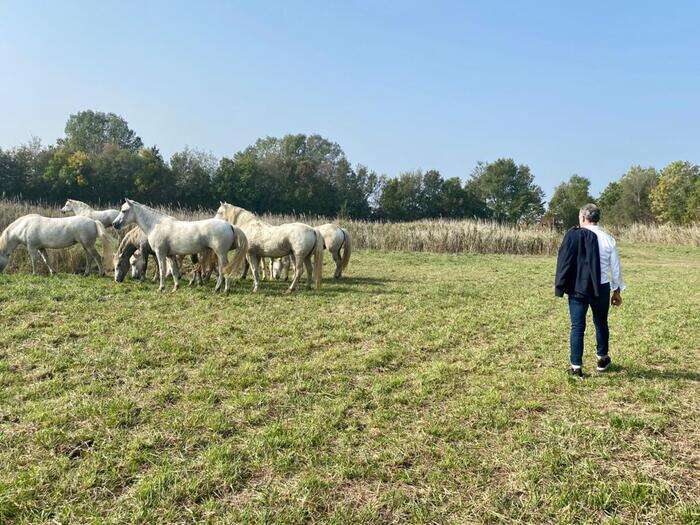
(588, 268)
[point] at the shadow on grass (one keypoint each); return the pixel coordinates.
(640, 373)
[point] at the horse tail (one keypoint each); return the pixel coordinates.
(318, 258)
(107, 245)
(240, 242)
(347, 248)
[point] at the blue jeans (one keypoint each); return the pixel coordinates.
(578, 307)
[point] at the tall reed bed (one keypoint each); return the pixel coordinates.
(438, 235)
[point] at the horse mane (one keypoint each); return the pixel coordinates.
(130, 239)
(80, 205)
(153, 210)
(236, 212)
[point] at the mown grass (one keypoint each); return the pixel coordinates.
(423, 388)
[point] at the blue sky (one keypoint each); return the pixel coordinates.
(589, 88)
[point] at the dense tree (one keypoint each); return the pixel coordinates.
(417, 195)
(90, 131)
(356, 189)
(101, 160)
(32, 158)
(153, 180)
(608, 200)
(567, 200)
(295, 173)
(509, 191)
(11, 175)
(241, 181)
(461, 201)
(193, 172)
(70, 174)
(400, 197)
(676, 197)
(634, 204)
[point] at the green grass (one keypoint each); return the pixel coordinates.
(424, 388)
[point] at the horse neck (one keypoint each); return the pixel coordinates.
(147, 218)
(127, 243)
(247, 218)
(127, 247)
(8, 240)
(80, 207)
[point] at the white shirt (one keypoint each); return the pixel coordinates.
(610, 271)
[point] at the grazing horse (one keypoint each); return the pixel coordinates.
(170, 237)
(266, 240)
(135, 241)
(203, 265)
(39, 233)
(335, 239)
(281, 266)
(106, 217)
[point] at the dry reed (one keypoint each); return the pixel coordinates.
(438, 235)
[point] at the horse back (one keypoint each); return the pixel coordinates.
(58, 232)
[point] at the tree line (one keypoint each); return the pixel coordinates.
(101, 159)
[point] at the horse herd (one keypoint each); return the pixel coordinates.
(258, 245)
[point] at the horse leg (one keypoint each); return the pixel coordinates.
(91, 253)
(338, 264)
(255, 266)
(96, 256)
(156, 274)
(309, 270)
(222, 261)
(246, 265)
(175, 270)
(162, 264)
(32, 258)
(221, 266)
(298, 270)
(45, 258)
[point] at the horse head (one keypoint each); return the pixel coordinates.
(222, 211)
(126, 215)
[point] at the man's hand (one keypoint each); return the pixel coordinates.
(616, 299)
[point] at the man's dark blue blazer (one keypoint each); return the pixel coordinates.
(578, 264)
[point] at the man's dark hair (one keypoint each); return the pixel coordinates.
(591, 213)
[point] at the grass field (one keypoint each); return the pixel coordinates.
(423, 388)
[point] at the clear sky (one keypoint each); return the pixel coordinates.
(589, 88)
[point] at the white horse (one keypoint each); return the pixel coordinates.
(281, 267)
(106, 217)
(266, 240)
(169, 237)
(335, 239)
(39, 233)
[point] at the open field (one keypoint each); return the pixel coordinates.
(423, 388)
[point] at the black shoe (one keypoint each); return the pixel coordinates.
(576, 372)
(603, 363)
